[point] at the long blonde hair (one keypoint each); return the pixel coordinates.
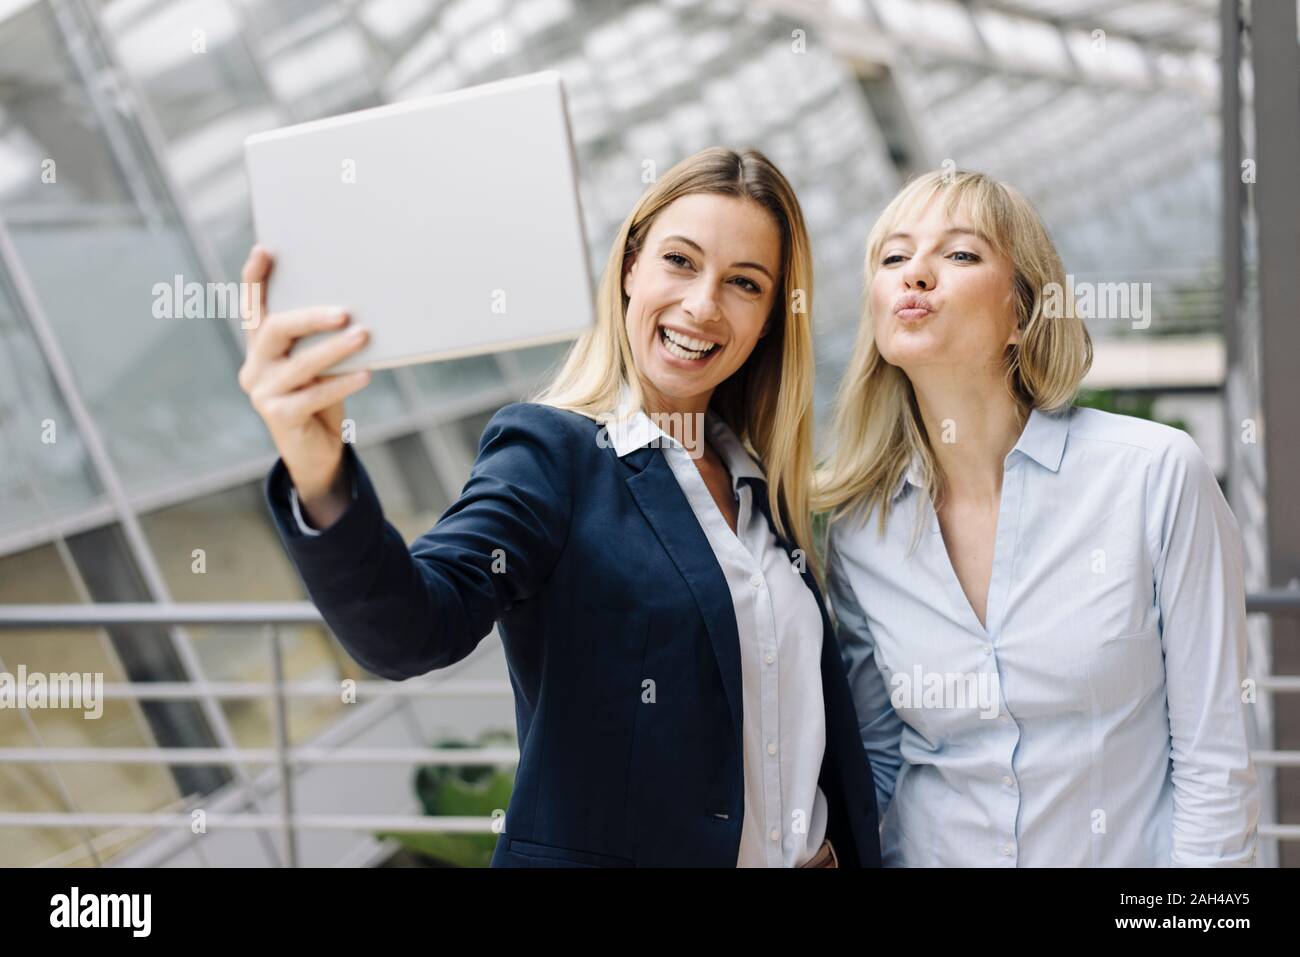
(877, 425)
(767, 402)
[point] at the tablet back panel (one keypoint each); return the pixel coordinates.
(450, 226)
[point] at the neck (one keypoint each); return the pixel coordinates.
(972, 424)
(682, 418)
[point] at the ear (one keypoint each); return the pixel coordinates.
(774, 316)
(629, 273)
(1014, 338)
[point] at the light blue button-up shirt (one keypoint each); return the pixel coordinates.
(1098, 718)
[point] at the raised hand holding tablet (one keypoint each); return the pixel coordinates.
(302, 407)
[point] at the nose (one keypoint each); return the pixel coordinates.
(701, 303)
(918, 274)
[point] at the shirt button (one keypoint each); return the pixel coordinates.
(986, 648)
(1006, 850)
(1003, 718)
(774, 834)
(756, 580)
(1006, 779)
(771, 747)
(769, 658)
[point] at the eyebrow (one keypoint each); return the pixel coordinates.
(955, 230)
(696, 246)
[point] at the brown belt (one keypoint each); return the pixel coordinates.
(825, 857)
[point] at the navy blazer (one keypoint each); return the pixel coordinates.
(600, 578)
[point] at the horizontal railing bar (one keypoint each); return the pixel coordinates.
(1277, 601)
(171, 690)
(217, 820)
(160, 613)
(338, 822)
(439, 756)
(1277, 759)
(483, 687)
(468, 687)
(450, 757)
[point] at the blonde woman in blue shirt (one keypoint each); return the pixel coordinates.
(1040, 606)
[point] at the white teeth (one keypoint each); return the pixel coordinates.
(679, 352)
(697, 347)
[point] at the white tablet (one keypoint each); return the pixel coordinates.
(449, 225)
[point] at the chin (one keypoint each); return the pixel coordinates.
(904, 351)
(678, 389)
(894, 356)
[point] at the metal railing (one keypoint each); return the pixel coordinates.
(271, 616)
(274, 615)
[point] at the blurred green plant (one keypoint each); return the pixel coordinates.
(474, 790)
(1125, 403)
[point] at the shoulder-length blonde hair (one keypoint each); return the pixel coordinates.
(877, 425)
(767, 402)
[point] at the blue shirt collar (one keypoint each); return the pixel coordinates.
(1042, 440)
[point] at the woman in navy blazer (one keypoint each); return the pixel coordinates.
(602, 558)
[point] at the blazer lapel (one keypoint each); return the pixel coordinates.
(661, 500)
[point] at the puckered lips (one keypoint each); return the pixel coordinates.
(912, 306)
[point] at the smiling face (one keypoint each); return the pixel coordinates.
(941, 295)
(699, 293)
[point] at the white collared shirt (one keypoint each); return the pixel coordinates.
(1096, 717)
(780, 629)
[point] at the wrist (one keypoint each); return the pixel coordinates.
(323, 503)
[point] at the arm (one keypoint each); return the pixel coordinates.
(402, 612)
(1201, 599)
(879, 724)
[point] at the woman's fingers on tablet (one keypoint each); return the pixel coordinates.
(307, 363)
(281, 329)
(252, 289)
(304, 403)
(265, 367)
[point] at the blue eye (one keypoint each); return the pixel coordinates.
(751, 287)
(889, 260)
(677, 259)
(973, 258)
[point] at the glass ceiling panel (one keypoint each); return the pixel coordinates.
(1114, 143)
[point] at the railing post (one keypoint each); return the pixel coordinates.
(280, 724)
